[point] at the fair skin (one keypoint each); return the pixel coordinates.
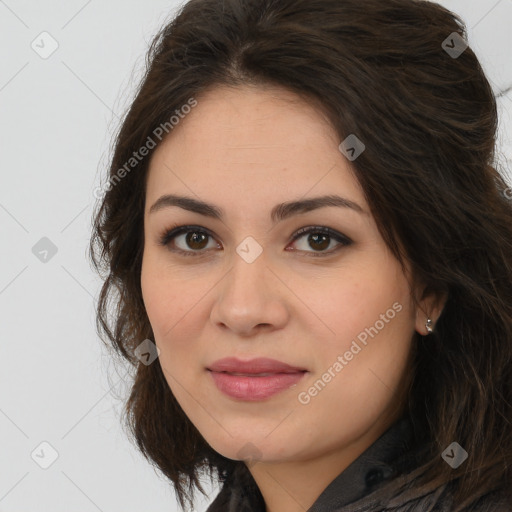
(246, 150)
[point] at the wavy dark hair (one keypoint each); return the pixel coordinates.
(430, 175)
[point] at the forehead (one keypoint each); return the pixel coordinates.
(252, 143)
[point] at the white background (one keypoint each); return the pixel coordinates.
(58, 116)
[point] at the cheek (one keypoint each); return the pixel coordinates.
(357, 299)
(167, 315)
(371, 319)
(157, 298)
(161, 303)
(173, 304)
(167, 297)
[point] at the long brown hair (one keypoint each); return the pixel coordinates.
(428, 118)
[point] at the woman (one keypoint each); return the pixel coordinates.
(310, 254)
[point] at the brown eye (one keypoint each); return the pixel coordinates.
(186, 240)
(319, 239)
(193, 240)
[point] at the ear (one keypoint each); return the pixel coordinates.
(430, 305)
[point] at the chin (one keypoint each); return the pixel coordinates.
(249, 449)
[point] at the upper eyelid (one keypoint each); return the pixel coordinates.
(179, 230)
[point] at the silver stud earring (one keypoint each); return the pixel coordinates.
(428, 325)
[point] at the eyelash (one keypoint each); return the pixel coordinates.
(169, 234)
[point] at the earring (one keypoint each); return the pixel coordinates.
(428, 325)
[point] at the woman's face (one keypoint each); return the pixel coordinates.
(335, 307)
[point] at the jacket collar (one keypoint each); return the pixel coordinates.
(374, 466)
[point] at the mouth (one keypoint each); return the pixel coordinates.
(258, 367)
(238, 374)
(254, 380)
(253, 388)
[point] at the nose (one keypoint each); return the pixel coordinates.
(250, 298)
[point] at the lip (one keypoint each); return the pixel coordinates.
(243, 380)
(257, 365)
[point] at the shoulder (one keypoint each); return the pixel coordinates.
(405, 494)
(441, 499)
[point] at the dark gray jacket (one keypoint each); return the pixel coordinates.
(369, 484)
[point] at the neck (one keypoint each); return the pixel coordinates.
(293, 486)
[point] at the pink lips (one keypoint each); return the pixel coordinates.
(253, 380)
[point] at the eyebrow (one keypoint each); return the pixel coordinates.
(280, 212)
